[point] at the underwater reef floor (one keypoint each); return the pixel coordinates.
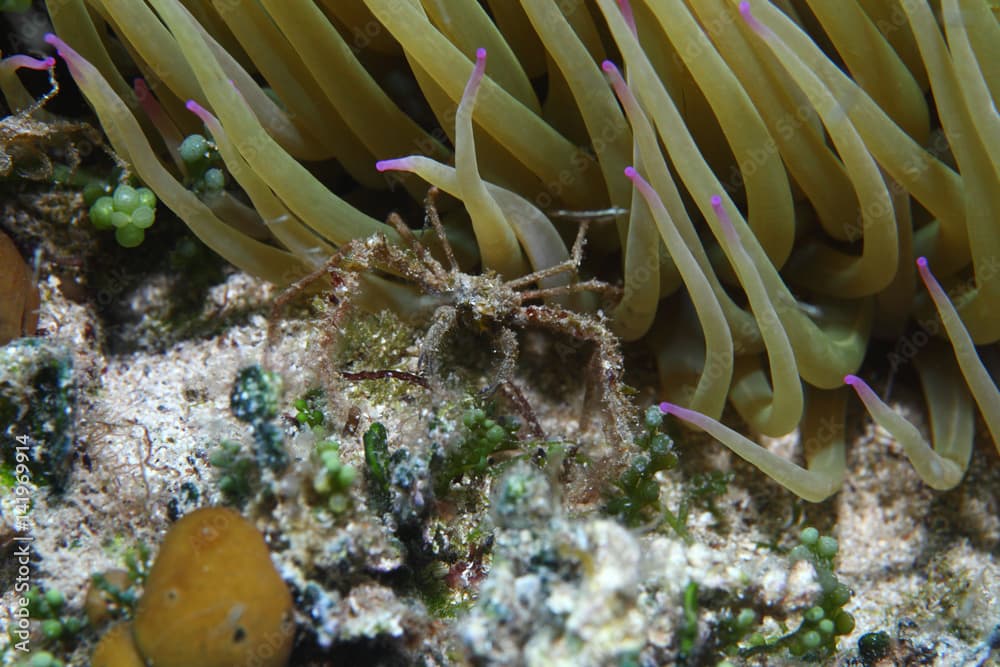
(151, 405)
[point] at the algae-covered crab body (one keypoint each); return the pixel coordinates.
(213, 598)
(483, 300)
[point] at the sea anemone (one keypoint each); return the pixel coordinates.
(781, 165)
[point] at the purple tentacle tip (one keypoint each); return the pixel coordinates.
(71, 57)
(480, 53)
(396, 164)
(53, 40)
(631, 173)
(199, 111)
(861, 388)
(608, 66)
(752, 21)
(667, 408)
(728, 227)
(625, 7)
(930, 281)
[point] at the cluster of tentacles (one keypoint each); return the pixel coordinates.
(783, 165)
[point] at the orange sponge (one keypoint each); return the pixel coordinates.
(213, 597)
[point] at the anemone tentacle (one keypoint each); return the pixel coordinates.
(782, 181)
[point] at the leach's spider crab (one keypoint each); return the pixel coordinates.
(486, 302)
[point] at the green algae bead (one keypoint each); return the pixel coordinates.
(811, 639)
(844, 623)
(495, 435)
(230, 485)
(330, 459)
(214, 179)
(100, 212)
(193, 148)
(120, 219)
(129, 236)
(54, 599)
(800, 552)
(143, 217)
(815, 614)
(146, 197)
(809, 536)
(839, 595)
(653, 416)
(346, 476)
(660, 443)
(52, 629)
(827, 547)
(473, 417)
(746, 618)
(126, 198)
(93, 191)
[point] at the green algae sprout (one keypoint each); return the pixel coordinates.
(333, 477)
